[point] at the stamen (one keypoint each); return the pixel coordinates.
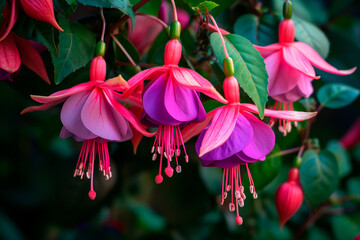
(167, 143)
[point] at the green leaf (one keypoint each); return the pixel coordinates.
(151, 8)
(249, 66)
(261, 31)
(130, 48)
(337, 95)
(345, 227)
(310, 34)
(123, 5)
(342, 157)
(263, 172)
(205, 6)
(106, 3)
(76, 48)
(211, 104)
(305, 10)
(318, 175)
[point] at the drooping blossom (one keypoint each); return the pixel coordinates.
(92, 114)
(170, 100)
(290, 66)
(231, 136)
(15, 49)
(289, 197)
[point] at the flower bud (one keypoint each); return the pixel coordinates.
(286, 31)
(98, 69)
(288, 197)
(41, 10)
(231, 90)
(172, 52)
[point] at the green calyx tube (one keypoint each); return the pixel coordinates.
(287, 10)
(228, 66)
(175, 30)
(100, 49)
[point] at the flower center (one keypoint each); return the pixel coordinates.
(87, 158)
(167, 143)
(284, 125)
(232, 182)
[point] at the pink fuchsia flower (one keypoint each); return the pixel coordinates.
(91, 114)
(14, 49)
(170, 100)
(231, 136)
(290, 66)
(289, 197)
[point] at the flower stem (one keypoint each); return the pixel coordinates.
(174, 9)
(104, 24)
(221, 36)
(158, 20)
(124, 50)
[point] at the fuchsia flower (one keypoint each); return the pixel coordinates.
(289, 197)
(290, 65)
(231, 136)
(170, 100)
(14, 49)
(290, 68)
(92, 114)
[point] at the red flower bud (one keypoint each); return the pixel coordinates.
(98, 69)
(289, 197)
(286, 31)
(41, 10)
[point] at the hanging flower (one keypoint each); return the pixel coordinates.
(14, 49)
(290, 68)
(170, 100)
(231, 136)
(91, 114)
(289, 197)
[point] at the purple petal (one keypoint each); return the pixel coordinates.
(153, 101)
(64, 133)
(71, 115)
(181, 103)
(229, 162)
(239, 138)
(99, 117)
(263, 140)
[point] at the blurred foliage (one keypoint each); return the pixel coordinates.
(39, 199)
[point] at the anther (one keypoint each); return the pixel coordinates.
(241, 202)
(153, 149)
(178, 169)
(228, 187)
(178, 151)
(255, 196)
(237, 194)
(186, 158)
(231, 207)
(251, 188)
(154, 156)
